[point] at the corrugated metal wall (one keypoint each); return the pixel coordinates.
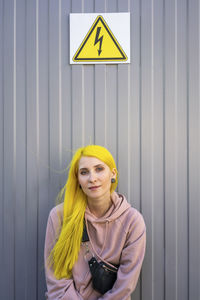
(147, 113)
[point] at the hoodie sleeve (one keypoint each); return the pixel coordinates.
(62, 289)
(130, 263)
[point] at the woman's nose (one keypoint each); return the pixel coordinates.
(92, 177)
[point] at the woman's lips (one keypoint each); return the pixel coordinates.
(92, 188)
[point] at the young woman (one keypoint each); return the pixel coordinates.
(95, 241)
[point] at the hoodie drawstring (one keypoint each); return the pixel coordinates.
(97, 255)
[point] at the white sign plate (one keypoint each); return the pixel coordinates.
(100, 38)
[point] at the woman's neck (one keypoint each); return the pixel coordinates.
(99, 207)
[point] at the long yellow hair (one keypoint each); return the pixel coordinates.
(66, 250)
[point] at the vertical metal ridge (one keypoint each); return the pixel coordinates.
(3, 130)
(164, 145)
(117, 113)
(188, 148)
(14, 89)
(14, 142)
(105, 107)
(176, 144)
(140, 108)
(129, 136)
(199, 121)
(26, 160)
(60, 84)
(37, 133)
(82, 6)
(71, 107)
(37, 82)
(93, 67)
(71, 83)
(198, 58)
(116, 143)
(152, 139)
(48, 72)
(94, 104)
(140, 123)
(83, 106)
(3, 148)
(105, 6)
(71, 91)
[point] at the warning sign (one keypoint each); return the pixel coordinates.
(100, 38)
(100, 44)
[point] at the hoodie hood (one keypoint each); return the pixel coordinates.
(118, 207)
(102, 230)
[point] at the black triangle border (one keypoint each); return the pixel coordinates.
(100, 59)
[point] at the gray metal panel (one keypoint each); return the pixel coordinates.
(20, 207)
(1, 140)
(193, 149)
(89, 105)
(171, 151)
(111, 109)
(147, 114)
(123, 128)
(100, 105)
(181, 158)
(9, 151)
(135, 118)
(43, 137)
(33, 148)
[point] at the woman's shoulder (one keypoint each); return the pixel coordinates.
(133, 211)
(133, 218)
(130, 212)
(137, 224)
(56, 212)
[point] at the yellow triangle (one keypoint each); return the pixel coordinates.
(99, 45)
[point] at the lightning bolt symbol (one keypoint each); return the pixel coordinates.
(98, 40)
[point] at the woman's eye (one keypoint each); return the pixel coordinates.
(99, 169)
(83, 172)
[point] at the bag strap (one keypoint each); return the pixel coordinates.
(85, 237)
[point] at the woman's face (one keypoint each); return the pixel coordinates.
(95, 176)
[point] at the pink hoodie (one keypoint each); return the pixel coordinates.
(118, 238)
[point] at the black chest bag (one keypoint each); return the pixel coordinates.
(103, 275)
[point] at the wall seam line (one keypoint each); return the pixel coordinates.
(152, 139)
(14, 140)
(37, 133)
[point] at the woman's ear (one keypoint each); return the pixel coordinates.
(114, 173)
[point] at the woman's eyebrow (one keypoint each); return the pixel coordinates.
(85, 168)
(99, 165)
